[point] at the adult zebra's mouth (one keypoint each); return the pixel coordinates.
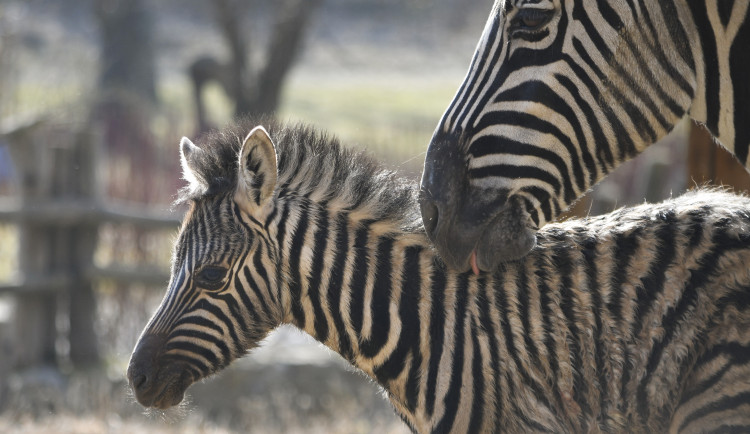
(473, 228)
(466, 243)
(473, 262)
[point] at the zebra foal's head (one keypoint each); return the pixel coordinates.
(559, 92)
(221, 299)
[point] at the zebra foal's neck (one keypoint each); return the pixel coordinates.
(375, 293)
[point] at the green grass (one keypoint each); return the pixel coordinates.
(38, 98)
(394, 119)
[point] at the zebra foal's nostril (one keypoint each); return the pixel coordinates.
(142, 368)
(140, 381)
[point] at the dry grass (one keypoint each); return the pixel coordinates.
(248, 397)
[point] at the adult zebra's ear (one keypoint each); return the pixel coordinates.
(256, 178)
(189, 157)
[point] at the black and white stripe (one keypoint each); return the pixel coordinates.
(630, 322)
(561, 92)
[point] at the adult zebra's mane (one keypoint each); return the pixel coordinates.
(311, 164)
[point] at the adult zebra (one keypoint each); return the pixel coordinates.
(636, 321)
(561, 92)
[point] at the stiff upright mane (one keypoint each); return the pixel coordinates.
(311, 164)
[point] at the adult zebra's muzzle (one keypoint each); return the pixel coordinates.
(471, 227)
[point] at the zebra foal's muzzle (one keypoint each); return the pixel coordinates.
(156, 384)
(471, 228)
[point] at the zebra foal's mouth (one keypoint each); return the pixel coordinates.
(167, 390)
(155, 382)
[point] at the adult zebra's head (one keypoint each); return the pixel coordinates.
(221, 299)
(559, 92)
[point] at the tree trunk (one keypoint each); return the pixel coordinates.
(127, 54)
(288, 33)
(254, 90)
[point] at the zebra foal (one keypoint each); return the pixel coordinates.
(562, 92)
(630, 322)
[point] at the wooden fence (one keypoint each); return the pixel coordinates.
(58, 210)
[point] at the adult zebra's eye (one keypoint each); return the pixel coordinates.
(211, 277)
(531, 19)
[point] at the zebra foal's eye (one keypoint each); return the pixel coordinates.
(211, 277)
(530, 19)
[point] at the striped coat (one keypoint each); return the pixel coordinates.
(636, 321)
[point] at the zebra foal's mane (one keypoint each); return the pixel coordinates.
(311, 164)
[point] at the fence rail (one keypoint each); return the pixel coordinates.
(47, 285)
(75, 212)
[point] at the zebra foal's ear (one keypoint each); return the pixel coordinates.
(189, 155)
(256, 178)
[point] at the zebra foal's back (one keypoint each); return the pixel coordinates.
(634, 321)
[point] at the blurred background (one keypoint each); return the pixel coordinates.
(94, 97)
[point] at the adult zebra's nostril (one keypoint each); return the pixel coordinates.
(140, 381)
(429, 216)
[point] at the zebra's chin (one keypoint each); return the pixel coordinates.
(507, 237)
(471, 226)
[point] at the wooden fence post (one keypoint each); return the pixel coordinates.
(34, 327)
(55, 165)
(85, 186)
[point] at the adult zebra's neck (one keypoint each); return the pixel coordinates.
(721, 34)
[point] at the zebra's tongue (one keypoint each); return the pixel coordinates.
(473, 261)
